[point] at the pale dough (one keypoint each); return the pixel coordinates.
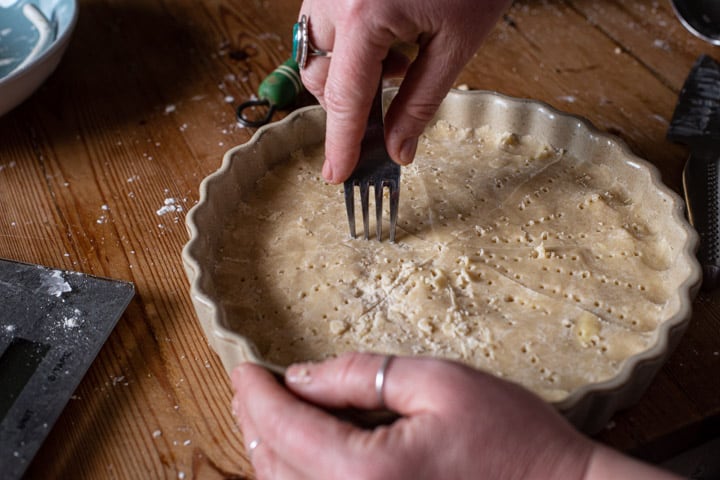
(512, 256)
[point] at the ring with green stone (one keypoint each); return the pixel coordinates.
(302, 47)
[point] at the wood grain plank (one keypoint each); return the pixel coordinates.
(651, 33)
(133, 135)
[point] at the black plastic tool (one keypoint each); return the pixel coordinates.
(696, 123)
(52, 325)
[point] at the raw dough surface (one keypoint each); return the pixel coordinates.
(512, 256)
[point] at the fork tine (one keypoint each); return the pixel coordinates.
(378, 208)
(364, 194)
(394, 206)
(374, 168)
(350, 206)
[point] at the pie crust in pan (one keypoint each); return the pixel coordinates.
(590, 406)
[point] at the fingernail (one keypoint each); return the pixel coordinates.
(327, 171)
(298, 374)
(407, 151)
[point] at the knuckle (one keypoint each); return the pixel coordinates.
(356, 8)
(315, 84)
(421, 112)
(349, 363)
(336, 100)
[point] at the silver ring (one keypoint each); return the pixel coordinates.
(302, 47)
(380, 380)
(254, 443)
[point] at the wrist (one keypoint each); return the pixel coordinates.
(607, 463)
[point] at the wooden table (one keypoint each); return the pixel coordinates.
(142, 108)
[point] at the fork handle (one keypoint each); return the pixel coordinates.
(375, 124)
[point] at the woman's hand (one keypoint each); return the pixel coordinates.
(456, 423)
(360, 34)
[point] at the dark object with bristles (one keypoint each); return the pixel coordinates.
(696, 123)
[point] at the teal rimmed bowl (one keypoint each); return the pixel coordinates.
(33, 38)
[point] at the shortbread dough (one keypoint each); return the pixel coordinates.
(512, 256)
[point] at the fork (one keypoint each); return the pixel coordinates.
(375, 168)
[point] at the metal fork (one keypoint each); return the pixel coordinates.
(375, 168)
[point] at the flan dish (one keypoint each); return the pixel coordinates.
(529, 245)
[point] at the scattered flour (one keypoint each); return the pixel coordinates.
(170, 205)
(661, 44)
(9, 165)
(56, 284)
(567, 98)
(103, 218)
(73, 321)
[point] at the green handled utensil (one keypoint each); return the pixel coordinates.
(277, 91)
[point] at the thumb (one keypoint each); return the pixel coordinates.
(411, 385)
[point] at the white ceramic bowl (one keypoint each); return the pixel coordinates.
(588, 407)
(30, 48)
